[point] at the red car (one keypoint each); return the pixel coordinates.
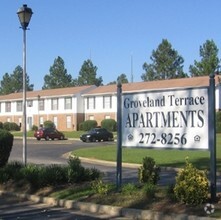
(48, 133)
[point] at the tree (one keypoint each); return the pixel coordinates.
(122, 78)
(166, 64)
(58, 76)
(14, 82)
(87, 75)
(209, 60)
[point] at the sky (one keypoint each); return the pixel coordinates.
(117, 35)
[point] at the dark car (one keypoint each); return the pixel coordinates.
(97, 134)
(48, 133)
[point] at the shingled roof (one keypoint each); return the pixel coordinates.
(154, 85)
(69, 91)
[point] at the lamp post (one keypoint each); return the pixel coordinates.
(24, 15)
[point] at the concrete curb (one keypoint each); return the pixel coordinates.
(110, 163)
(111, 211)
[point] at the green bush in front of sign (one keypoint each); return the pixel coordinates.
(109, 124)
(6, 143)
(218, 122)
(149, 172)
(192, 185)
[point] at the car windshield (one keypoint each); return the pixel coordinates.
(93, 130)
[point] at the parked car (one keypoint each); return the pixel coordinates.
(48, 133)
(97, 134)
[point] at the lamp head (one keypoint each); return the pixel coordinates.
(24, 15)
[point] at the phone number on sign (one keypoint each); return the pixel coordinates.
(164, 138)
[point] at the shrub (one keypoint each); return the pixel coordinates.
(218, 122)
(109, 124)
(100, 187)
(149, 190)
(6, 143)
(1, 125)
(80, 126)
(30, 173)
(89, 124)
(170, 192)
(75, 171)
(49, 124)
(129, 188)
(11, 126)
(34, 128)
(192, 185)
(149, 172)
(52, 175)
(11, 171)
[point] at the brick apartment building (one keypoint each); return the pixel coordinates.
(68, 107)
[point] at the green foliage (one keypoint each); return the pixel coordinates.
(10, 172)
(122, 78)
(109, 124)
(218, 122)
(58, 76)
(209, 60)
(166, 64)
(192, 185)
(12, 83)
(149, 189)
(31, 173)
(77, 173)
(129, 188)
(1, 125)
(52, 175)
(170, 192)
(89, 124)
(75, 170)
(34, 128)
(6, 143)
(49, 124)
(100, 187)
(149, 172)
(87, 75)
(11, 126)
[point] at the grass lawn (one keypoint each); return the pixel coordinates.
(169, 157)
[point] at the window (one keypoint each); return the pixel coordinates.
(107, 102)
(68, 121)
(8, 107)
(41, 120)
(19, 106)
(68, 103)
(91, 117)
(91, 103)
(107, 117)
(41, 105)
(54, 104)
(30, 103)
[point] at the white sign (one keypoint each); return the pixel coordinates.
(166, 119)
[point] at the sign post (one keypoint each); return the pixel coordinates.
(119, 135)
(212, 137)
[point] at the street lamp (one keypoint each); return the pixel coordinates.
(24, 15)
